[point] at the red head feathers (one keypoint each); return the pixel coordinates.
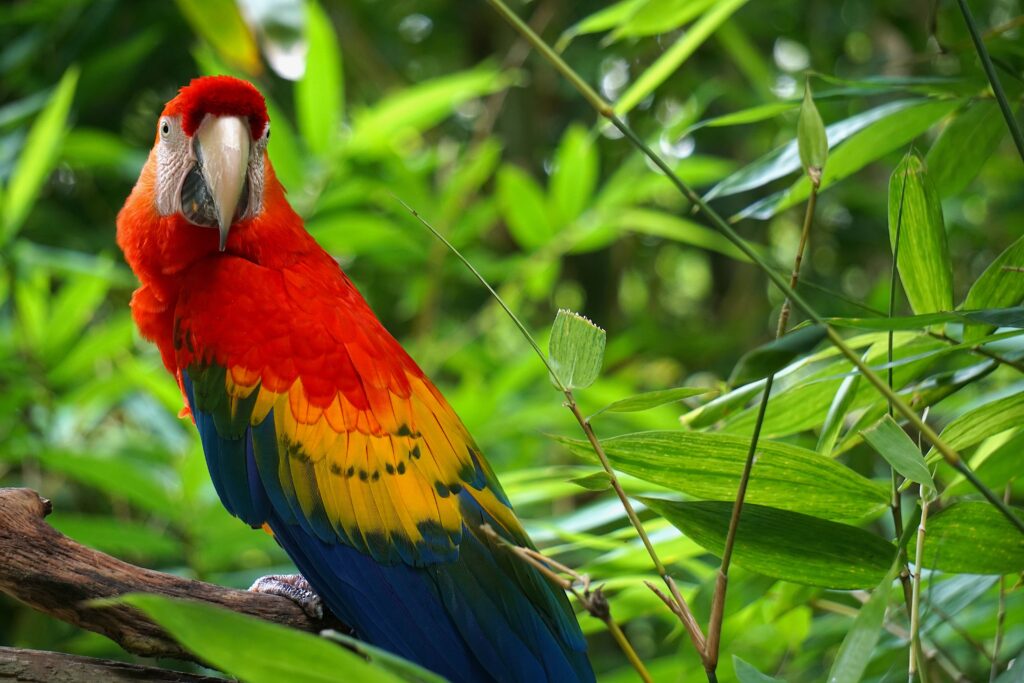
(220, 96)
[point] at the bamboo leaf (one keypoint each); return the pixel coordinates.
(598, 481)
(986, 420)
(651, 399)
(252, 649)
(972, 537)
(575, 174)
(746, 673)
(320, 94)
(964, 146)
(998, 286)
(776, 354)
(893, 444)
(524, 208)
(837, 412)
(784, 545)
(708, 465)
(220, 23)
(858, 645)
(811, 139)
(576, 349)
(38, 157)
(678, 53)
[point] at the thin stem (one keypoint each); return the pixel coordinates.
(949, 454)
(1000, 613)
(993, 77)
(982, 351)
(627, 648)
(915, 637)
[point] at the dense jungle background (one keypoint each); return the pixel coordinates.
(443, 106)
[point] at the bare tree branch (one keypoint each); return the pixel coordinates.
(38, 666)
(55, 575)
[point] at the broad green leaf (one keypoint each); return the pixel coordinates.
(118, 537)
(981, 422)
(576, 349)
(964, 146)
(575, 174)
(776, 354)
(38, 156)
(524, 208)
(659, 16)
(678, 53)
(220, 23)
(708, 465)
(604, 19)
(747, 673)
(997, 287)
(837, 412)
(915, 219)
(398, 118)
(70, 311)
(598, 481)
(403, 667)
(254, 650)
(893, 444)
(651, 399)
(784, 545)
(855, 652)
(682, 230)
(812, 142)
(320, 94)
(972, 537)
(995, 462)
(866, 146)
(786, 159)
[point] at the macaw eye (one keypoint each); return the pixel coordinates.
(165, 128)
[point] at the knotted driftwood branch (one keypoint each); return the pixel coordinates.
(55, 575)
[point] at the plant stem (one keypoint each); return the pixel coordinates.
(722, 580)
(604, 109)
(627, 648)
(1000, 613)
(993, 77)
(915, 637)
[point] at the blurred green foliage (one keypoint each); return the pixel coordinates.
(439, 104)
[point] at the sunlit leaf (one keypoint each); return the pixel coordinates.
(784, 545)
(575, 173)
(915, 220)
(598, 481)
(254, 650)
(893, 444)
(837, 412)
(855, 653)
(983, 421)
(659, 16)
(964, 146)
(37, 158)
(220, 23)
(999, 285)
(675, 228)
(972, 537)
(604, 19)
(651, 399)
(524, 208)
(576, 349)
(403, 667)
(675, 55)
(708, 465)
(320, 94)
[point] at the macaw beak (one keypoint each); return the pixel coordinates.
(224, 148)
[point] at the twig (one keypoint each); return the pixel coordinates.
(592, 599)
(1000, 613)
(55, 575)
(981, 351)
(948, 453)
(39, 666)
(915, 637)
(1014, 269)
(993, 77)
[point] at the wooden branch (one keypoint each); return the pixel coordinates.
(55, 575)
(38, 666)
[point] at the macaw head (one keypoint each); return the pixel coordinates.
(210, 154)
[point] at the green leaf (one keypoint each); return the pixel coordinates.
(923, 252)
(997, 286)
(575, 174)
(964, 146)
(651, 399)
(524, 208)
(784, 545)
(984, 421)
(972, 537)
(682, 230)
(776, 354)
(678, 53)
(1001, 317)
(38, 157)
(810, 135)
(893, 444)
(708, 465)
(220, 24)
(391, 123)
(598, 481)
(576, 349)
(118, 536)
(254, 650)
(866, 146)
(604, 19)
(320, 94)
(746, 673)
(837, 411)
(659, 16)
(403, 667)
(855, 653)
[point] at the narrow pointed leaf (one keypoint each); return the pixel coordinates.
(651, 399)
(220, 23)
(575, 174)
(923, 261)
(810, 135)
(784, 545)
(986, 420)
(858, 645)
(837, 412)
(776, 354)
(524, 208)
(708, 465)
(320, 94)
(893, 444)
(964, 146)
(1000, 285)
(747, 673)
(576, 349)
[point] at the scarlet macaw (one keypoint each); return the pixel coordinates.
(315, 422)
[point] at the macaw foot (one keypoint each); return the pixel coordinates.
(295, 588)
